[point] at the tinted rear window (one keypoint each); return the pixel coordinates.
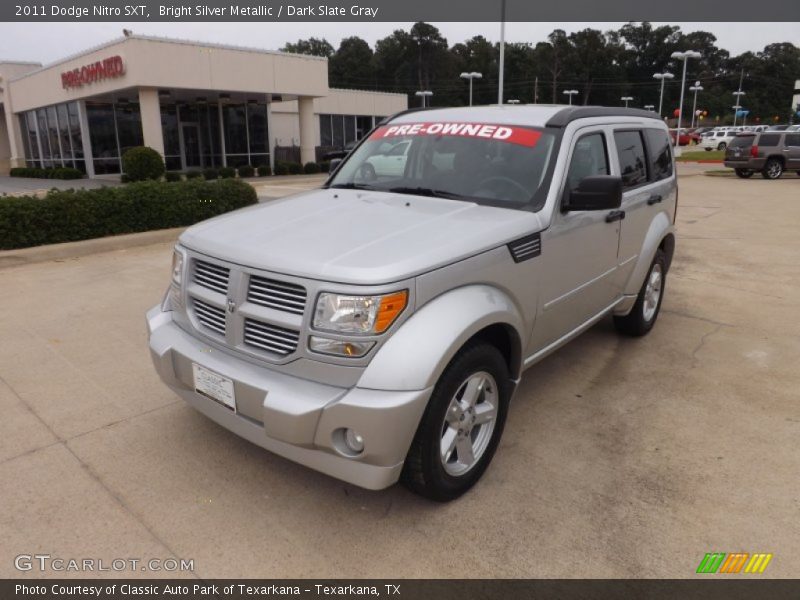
(658, 144)
(744, 141)
(769, 139)
(793, 139)
(630, 150)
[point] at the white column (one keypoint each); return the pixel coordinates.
(17, 158)
(305, 109)
(88, 158)
(151, 119)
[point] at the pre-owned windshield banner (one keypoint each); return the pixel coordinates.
(504, 133)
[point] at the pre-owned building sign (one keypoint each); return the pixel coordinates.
(109, 68)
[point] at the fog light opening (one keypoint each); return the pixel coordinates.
(348, 441)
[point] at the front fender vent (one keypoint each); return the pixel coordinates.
(525, 248)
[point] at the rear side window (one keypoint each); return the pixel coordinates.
(793, 139)
(742, 141)
(658, 144)
(632, 161)
(769, 139)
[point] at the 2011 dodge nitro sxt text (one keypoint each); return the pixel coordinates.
(376, 329)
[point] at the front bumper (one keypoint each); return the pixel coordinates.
(292, 417)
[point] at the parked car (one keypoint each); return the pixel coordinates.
(376, 329)
(388, 161)
(718, 141)
(769, 152)
(778, 127)
(687, 137)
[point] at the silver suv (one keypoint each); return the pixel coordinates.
(376, 329)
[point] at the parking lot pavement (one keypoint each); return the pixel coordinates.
(280, 185)
(621, 457)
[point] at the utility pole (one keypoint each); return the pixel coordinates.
(536, 90)
(502, 51)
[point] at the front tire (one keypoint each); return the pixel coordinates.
(722, 146)
(773, 169)
(744, 173)
(644, 313)
(462, 425)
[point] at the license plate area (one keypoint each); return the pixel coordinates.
(214, 386)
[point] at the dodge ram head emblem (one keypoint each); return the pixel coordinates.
(231, 306)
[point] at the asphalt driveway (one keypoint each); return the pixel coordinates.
(621, 458)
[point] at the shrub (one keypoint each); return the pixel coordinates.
(311, 168)
(210, 173)
(125, 178)
(281, 169)
(142, 163)
(70, 215)
(325, 166)
(227, 172)
(246, 171)
(49, 173)
(172, 176)
(264, 170)
(194, 174)
(295, 168)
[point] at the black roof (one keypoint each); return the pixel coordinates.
(571, 113)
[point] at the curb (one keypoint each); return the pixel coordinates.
(26, 256)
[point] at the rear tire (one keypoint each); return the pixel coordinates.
(461, 428)
(744, 173)
(644, 313)
(722, 146)
(773, 169)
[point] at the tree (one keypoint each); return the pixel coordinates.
(353, 65)
(312, 46)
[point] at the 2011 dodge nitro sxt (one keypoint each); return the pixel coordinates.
(376, 329)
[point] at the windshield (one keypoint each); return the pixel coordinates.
(498, 165)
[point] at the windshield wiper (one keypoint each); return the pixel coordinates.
(352, 186)
(425, 191)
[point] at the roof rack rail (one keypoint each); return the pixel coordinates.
(565, 116)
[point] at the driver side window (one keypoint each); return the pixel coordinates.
(589, 157)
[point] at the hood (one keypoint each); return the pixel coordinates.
(355, 236)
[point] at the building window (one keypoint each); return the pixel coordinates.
(129, 126)
(326, 130)
(103, 137)
(235, 120)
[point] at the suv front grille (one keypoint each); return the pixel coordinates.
(271, 338)
(213, 277)
(210, 316)
(287, 297)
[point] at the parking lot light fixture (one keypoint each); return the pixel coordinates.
(738, 95)
(684, 56)
(626, 99)
(663, 77)
(695, 88)
(570, 93)
(471, 76)
(512, 101)
(649, 107)
(423, 95)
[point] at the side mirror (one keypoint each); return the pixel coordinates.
(596, 192)
(334, 164)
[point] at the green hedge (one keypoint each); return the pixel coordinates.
(227, 172)
(52, 173)
(70, 215)
(246, 171)
(311, 168)
(264, 170)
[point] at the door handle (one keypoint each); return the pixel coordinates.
(654, 199)
(615, 215)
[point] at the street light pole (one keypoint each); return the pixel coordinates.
(502, 51)
(684, 56)
(570, 93)
(695, 88)
(626, 99)
(738, 95)
(663, 77)
(471, 76)
(423, 95)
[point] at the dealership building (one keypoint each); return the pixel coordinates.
(199, 105)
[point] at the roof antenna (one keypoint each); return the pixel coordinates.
(127, 32)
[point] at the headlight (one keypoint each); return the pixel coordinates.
(358, 314)
(177, 267)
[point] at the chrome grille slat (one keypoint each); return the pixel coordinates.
(213, 277)
(270, 337)
(209, 316)
(279, 295)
